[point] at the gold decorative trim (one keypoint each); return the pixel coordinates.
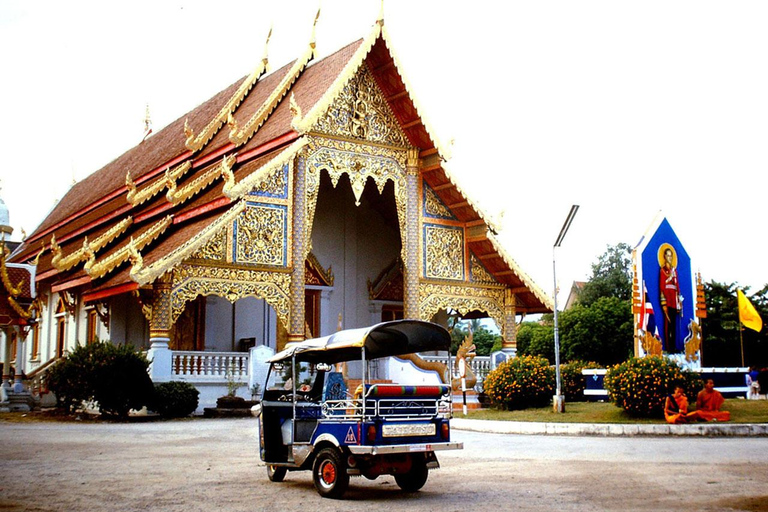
(239, 136)
(143, 275)
(136, 197)
(88, 250)
(525, 278)
(12, 291)
(478, 273)
(237, 190)
(305, 124)
(99, 269)
(197, 142)
(233, 284)
(325, 274)
(177, 196)
(463, 298)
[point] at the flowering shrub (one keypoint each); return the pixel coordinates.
(521, 382)
(640, 385)
(572, 381)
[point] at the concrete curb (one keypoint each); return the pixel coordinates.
(604, 429)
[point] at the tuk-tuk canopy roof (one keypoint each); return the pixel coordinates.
(381, 340)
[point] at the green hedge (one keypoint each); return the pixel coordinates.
(176, 399)
(114, 376)
(640, 385)
(520, 382)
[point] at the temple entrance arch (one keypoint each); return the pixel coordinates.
(358, 236)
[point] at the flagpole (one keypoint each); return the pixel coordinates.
(741, 340)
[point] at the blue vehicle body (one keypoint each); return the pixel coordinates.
(309, 420)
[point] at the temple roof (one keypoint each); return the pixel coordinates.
(158, 202)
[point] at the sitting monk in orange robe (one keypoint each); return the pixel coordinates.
(708, 403)
(676, 408)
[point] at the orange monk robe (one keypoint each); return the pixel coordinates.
(679, 416)
(708, 403)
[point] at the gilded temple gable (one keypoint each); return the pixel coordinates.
(361, 112)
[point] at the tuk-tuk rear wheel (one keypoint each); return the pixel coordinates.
(275, 473)
(416, 477)
(329, 473)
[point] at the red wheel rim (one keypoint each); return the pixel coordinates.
(328, 473)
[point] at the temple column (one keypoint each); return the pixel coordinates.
(6, 354)
(509, 343)
(411, 259)
(18, 381)
(160, 323)
(298, 255)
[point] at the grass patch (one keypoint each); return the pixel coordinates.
(742, 411)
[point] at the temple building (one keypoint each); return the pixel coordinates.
(291, 204)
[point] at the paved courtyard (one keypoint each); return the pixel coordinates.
(205, 465)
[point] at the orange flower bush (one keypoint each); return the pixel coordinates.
(640, 385)
(524, 381)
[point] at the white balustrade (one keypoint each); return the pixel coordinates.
(480, 365)
(211, 365)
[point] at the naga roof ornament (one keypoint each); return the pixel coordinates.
(197, 142)
(89, 249)
(99, 269)
(136, 197)
(240, 135)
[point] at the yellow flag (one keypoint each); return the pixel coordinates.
(748, 314)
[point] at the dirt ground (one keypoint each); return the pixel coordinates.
(205, 465)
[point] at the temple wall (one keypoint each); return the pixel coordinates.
(127, 323)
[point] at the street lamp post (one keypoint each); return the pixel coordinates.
(558, 402)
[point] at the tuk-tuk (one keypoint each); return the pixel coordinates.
(309, 419)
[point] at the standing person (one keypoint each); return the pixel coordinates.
(671, 301)
(676, 408)
(708, 403)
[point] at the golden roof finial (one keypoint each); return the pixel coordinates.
(312, 39)
(265, 58)
(380, 19)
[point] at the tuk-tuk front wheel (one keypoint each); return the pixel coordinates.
(329, 473)
(416, 477)
(275, 473)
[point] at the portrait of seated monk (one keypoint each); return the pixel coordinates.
(708, 403)
(676, 408)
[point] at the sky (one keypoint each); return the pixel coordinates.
(628, 109)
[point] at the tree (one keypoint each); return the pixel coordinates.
(537, 339)
(720, 330)
(611, 276)
(600, 332)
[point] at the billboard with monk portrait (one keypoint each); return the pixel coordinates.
(665, 296)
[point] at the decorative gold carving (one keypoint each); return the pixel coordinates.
(102, 314)
(651, 344)
(479, 273)
(195, 143)
(144, 275)
(433, 206)
(361, 112)
(444, 251)
(358, 161)
(466, 353)
(136, 197)
(693, 342)
(239, 136)
(436, 296)
(177, 196)
(233, 284)
(106, 265)
(236, 190)
(68, 301)
(13, 291)
(261, 235)
(325, 275)
(215, 249)
(88, 251)
(274, 184)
